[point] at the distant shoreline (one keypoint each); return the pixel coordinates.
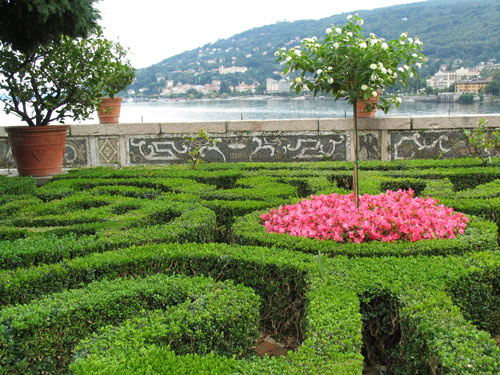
(264, 107)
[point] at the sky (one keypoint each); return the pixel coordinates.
(156, 29)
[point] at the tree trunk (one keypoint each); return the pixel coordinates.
(355, 183)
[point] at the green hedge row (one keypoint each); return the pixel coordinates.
(17, 185)
(11, 204)
(332, 346)
(488, 190)
(371, 182)
(279, 277)
(462, 178)
(345, 165)
(433, 312)
(478, 294)
(437, 339)
(171, 184)
(162, 221)
(40, 337)
(430, 332)
(333, 323)
(479, 235)
(267, 190)
(222, 179)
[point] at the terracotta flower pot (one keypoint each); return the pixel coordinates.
(361, 107)
(109, 110)
(38, 150)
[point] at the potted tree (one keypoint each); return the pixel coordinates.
(60, 79)
(353, 67)
(118, 75)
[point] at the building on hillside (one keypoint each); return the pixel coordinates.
(488, 65)
(273, 86)
(243, 87)
(444, 79)
(466, 73)
(181, 88)
(471, 85)
(232, 69)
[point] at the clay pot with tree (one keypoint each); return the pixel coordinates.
(61, 79)
(350, 66)
(118, 74)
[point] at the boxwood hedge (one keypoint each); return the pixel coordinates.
(479, 234)
(40, 336)
(89, 263)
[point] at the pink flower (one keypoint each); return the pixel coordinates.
(387, 217)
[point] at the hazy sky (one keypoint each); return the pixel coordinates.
(157, 29)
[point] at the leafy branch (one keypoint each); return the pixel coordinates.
(484, 142)
(197, 144)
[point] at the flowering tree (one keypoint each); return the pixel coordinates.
(351, 66)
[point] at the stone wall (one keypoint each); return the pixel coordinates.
(387, 138)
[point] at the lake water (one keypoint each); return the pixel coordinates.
(269, 108)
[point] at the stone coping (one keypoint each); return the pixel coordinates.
(282, 125)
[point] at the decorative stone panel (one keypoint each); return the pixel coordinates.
(429, 144)
(382, 138)
(241, 148)
(6, 159)
(369, 145)
(76, 153)
(108, 150)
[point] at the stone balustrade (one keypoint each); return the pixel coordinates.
(384, 138)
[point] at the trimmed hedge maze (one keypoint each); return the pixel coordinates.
(167, 270)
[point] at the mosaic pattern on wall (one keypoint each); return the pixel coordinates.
(6, 158)
(265, 148)
(369, 145)
(76, 153)
(429, 144)
(108, 150)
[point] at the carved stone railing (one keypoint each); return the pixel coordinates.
(385, 138)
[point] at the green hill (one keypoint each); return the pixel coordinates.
(450, 29)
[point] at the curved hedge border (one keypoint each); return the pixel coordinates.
(438, 302)
(435, 336)
(222, 178)
(146, 222)
(479, 235)
(279, 278)
(432, 327)
(40, 336)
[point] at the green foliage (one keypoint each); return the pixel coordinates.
(484, 142)
(348, 65)
(197, 145)
(478, 296)
(71, 279)
(466, 99)
(493, 88)
(64, 78)
(26, 24)
(100, 222)
(42, 334)
(17, 185)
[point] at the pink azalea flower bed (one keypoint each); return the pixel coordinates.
(386, 217)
